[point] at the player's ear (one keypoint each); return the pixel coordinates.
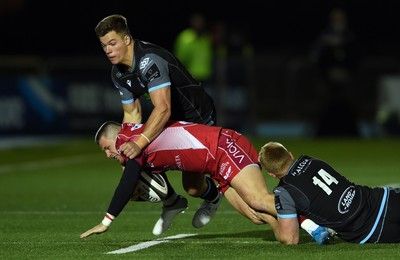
(127, 39)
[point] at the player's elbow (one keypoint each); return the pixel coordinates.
(166, 111)
(163, 111)
(287, 238)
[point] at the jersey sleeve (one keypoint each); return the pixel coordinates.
(155, 70)
(125, 188)
(126, 96)
(284, 204)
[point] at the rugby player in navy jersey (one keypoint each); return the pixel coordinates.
(311, 187)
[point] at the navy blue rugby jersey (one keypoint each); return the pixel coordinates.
(314, 189)
(153, 68)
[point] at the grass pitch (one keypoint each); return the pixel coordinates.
(51, 194)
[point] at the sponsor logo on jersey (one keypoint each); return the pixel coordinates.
(228, 173)
(300, 167)
(144, 63)
(225, 170)
(152, 73)
(223, 167)
(346, 199)
(134, 126)
(233, 150)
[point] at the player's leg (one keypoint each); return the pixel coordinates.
(172, 206)
(243, 174)
(390, 231)
(199, 185)
(250, 184)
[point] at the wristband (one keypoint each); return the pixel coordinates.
(108, 220)
(138, 145)
(148, 140)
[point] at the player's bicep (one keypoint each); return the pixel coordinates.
(288, 224)
(284, 202)
(161, 97)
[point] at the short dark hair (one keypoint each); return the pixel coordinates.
(108, 129)
(114, 22)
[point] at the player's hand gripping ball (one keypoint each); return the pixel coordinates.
(150, 187)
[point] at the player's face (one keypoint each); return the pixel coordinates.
(108, 146)
(115, 47)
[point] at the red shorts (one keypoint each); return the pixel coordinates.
(233, 154)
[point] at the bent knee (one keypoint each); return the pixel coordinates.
(193, 192)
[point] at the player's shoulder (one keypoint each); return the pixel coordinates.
(145, 45)
(152, 53)
(144, 48)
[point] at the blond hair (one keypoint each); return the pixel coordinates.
(274, 157)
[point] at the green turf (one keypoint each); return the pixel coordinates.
(49, 195)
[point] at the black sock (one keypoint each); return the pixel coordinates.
(212, 193)
(171, 195)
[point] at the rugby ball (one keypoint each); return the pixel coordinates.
(151, 187)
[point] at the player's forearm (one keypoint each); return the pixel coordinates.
(154, 125)
(125, 189)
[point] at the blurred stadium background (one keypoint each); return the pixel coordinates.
(55, 79)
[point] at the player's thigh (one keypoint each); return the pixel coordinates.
(250, 184)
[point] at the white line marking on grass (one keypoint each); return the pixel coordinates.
(147, 244)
